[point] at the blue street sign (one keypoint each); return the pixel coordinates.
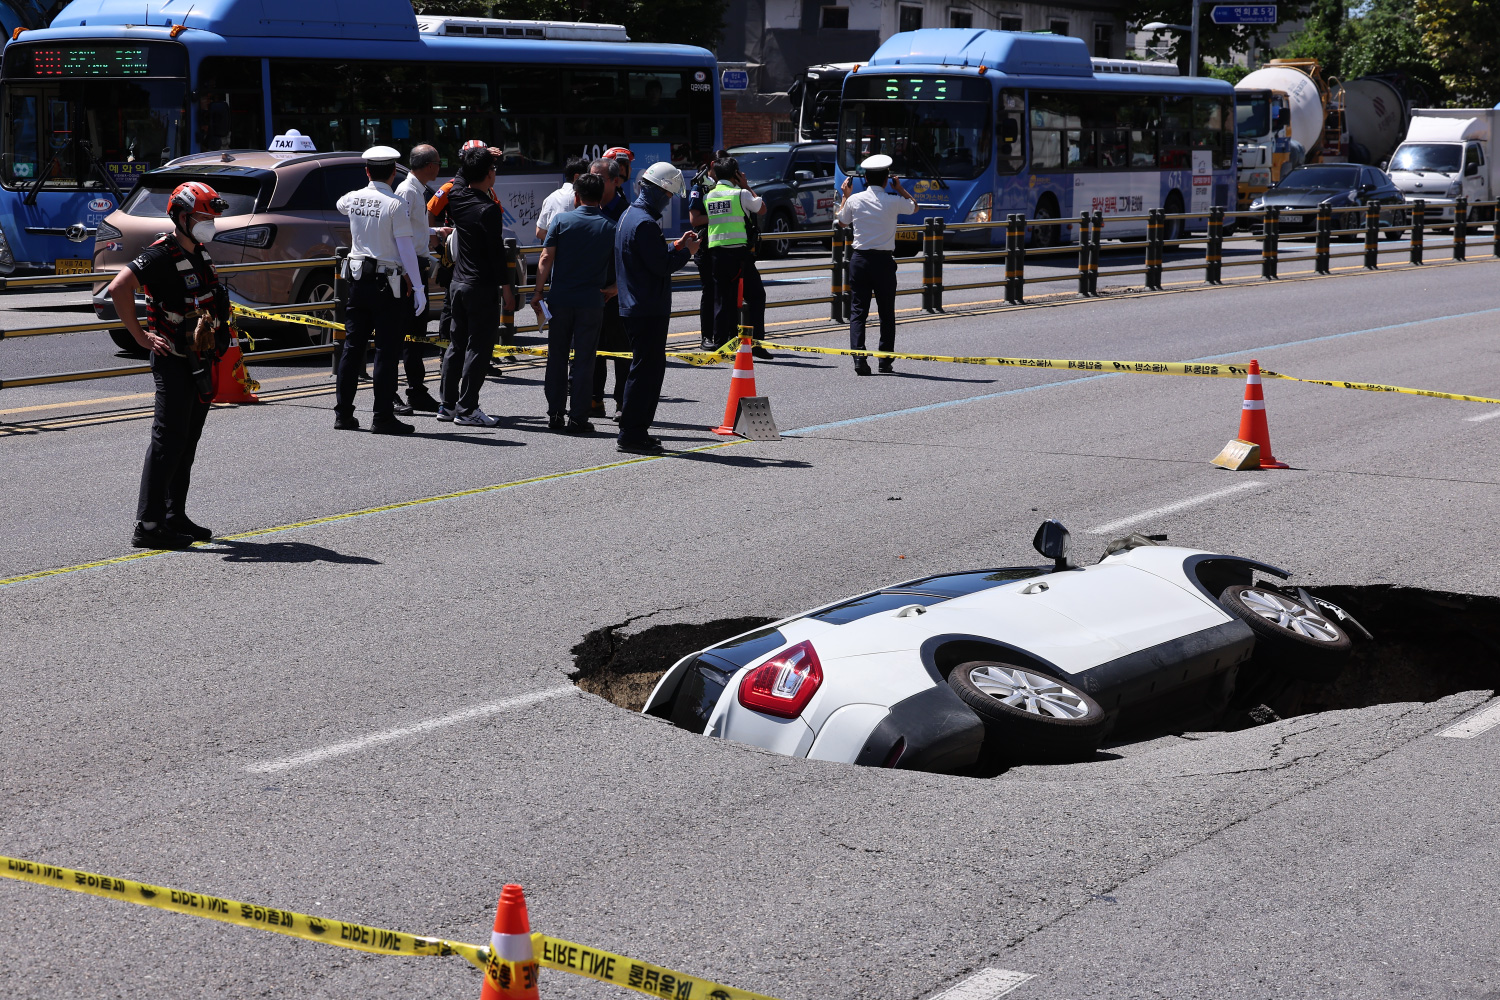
(736, 79)
(1244, 14)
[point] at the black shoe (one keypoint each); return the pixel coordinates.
(421, 399)
(887, 366)
(645, 446)
(579, 427)
(861, 367)
(159, 537)
(596, 409)
(345, 422)
(762, 353)
(708, 344)
(184, 526)
(401, 409)
(556, 423)
(390, 425)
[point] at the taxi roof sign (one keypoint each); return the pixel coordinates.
(293, 142)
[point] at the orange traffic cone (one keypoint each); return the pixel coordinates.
(232, 383)
(741, 384)
(511, 972)
(1253, 425)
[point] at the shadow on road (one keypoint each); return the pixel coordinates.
(283, 552)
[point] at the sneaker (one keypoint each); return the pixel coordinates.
(401, 409)
(421, 399)
(708, 344)
(579, 427)
(184, 526)
(555, 423)
(476, 418)
(345, 422)
(387, 424)
(645, 446)
(443, 413)
(159, 537)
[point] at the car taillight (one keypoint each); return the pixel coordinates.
(259, 237)
(784, 684)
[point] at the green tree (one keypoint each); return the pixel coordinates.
(1324, 34)
(1215, 41)
(1463, 38)
(688, 22)
(1383, 38)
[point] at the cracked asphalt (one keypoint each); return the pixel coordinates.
(1344, 854)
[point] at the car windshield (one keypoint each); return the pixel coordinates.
(149, 199)
(1320, 178)
(764, 166)
(924, 138)
(1252, 115)
(1440, 157)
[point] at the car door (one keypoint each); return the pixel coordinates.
(801, 178)
(1474, 174)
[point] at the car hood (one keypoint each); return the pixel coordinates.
(1303, 199)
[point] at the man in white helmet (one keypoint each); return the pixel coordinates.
(872, 266)
(381, 266)
(643, 272)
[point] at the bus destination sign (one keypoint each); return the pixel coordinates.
(90, 60)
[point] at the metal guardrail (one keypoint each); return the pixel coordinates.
(932, 256)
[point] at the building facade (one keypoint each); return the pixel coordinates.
(775, 41)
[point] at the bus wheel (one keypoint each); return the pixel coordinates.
(1175, 229)
(1046, 236)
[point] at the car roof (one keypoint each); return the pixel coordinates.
(254, 159)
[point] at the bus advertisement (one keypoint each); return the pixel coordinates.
(109, 92)
(988, 123)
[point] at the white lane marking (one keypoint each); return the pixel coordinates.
(1481, 418)
(1475, 724)
(400, 732)
(986, 984)
(1172, 508)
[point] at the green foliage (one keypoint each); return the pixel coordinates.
(1216, 41)
(1463, 38)
(1230, 73)
(1323, 36)
(1384, 39)
(688, 22)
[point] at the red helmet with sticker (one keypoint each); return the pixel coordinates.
(195, 197)
(473, 144)
(619, 153)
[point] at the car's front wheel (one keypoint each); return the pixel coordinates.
(777, 241)
(1029, 717)
(1315, 647)
(318, 288)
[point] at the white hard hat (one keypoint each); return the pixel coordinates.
(380, 155)
(877, 162)
(666, 177)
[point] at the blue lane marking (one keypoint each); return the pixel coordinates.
(1090, 378)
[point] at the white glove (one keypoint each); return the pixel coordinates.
(421, 297)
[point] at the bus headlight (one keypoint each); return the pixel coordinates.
(981, 210)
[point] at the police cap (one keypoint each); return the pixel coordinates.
(877, 162)
(379, 156)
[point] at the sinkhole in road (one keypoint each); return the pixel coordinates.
(1428, 645)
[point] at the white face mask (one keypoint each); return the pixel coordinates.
(203, 231)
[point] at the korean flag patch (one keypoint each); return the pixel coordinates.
(190, 279)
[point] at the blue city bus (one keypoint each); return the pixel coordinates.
(114, 88)
(982, 124)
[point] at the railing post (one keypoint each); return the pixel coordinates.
(1269, 243)
(1020, 258)
(937, 264)
(1418, 225)
(927, 264)
(340, 296)
(1324, 239)
(1213, 258)
(1083, 253)
(1010, 258)
(1372, 235)
(1098, 238)
(1154, 223)
(836, 276)
(1461, 228)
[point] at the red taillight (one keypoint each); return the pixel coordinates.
(784, 684)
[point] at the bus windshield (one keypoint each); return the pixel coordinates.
(1252, 114)
(923, 138)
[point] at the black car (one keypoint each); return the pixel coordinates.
(796, 181)
(1338, 185)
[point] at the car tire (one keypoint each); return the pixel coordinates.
(1063, 724)
(781, 224)
(318, 287)
(1290, 630)
(127, 345)
(1394, 234)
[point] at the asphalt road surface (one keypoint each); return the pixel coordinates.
(369, 716)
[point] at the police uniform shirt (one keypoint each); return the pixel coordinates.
(414, 193)
(376, 218)
(873, 214)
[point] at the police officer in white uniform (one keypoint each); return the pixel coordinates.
(874, 214)
(415, 190)
(381, 267)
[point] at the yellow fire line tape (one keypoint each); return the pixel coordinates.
(299, 320)
(1206, 370)
(553, 953)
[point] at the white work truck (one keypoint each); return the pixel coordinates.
(1447, 153)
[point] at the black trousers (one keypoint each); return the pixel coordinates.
(471, 344)
(611, 338)
(648, 366)
(175, 430)
(706, 303)
(872, 272)
(373, 309)
(731, 265)
(412, 352)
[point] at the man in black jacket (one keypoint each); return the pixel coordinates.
(478, 271)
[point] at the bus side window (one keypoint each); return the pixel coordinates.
(1008, 130)
(231, 105)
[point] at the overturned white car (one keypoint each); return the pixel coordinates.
(1000, 666)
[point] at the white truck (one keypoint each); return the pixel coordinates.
(1447, 154)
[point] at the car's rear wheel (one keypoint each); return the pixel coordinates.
(1303, 638)
(1029, 717)
(318, 288)
(777, 242)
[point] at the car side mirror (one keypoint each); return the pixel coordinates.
(803, 176)
(1471, 169)
(1053, 541)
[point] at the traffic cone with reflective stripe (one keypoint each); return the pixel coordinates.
(741, 384)
(232, 383)
(511, 971)
(1253, 425)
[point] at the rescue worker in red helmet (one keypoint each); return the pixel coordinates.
(187, 330)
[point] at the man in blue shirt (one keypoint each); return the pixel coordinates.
(578, 256)
(644, 267)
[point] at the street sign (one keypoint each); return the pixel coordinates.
(738, 79)
(1244, 14)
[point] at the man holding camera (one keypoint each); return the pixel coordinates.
(874, 214)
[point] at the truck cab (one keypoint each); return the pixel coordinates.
(1446, 156)
(1260, 118)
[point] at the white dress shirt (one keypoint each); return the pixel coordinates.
(555, 204)
(415, 194)
(873, 214)
(379, 227)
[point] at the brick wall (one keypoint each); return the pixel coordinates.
(744, 128)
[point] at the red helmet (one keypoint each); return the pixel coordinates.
(619, 153)
(195, 197)
(473, 144)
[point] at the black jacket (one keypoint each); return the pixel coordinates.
(481, 237)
